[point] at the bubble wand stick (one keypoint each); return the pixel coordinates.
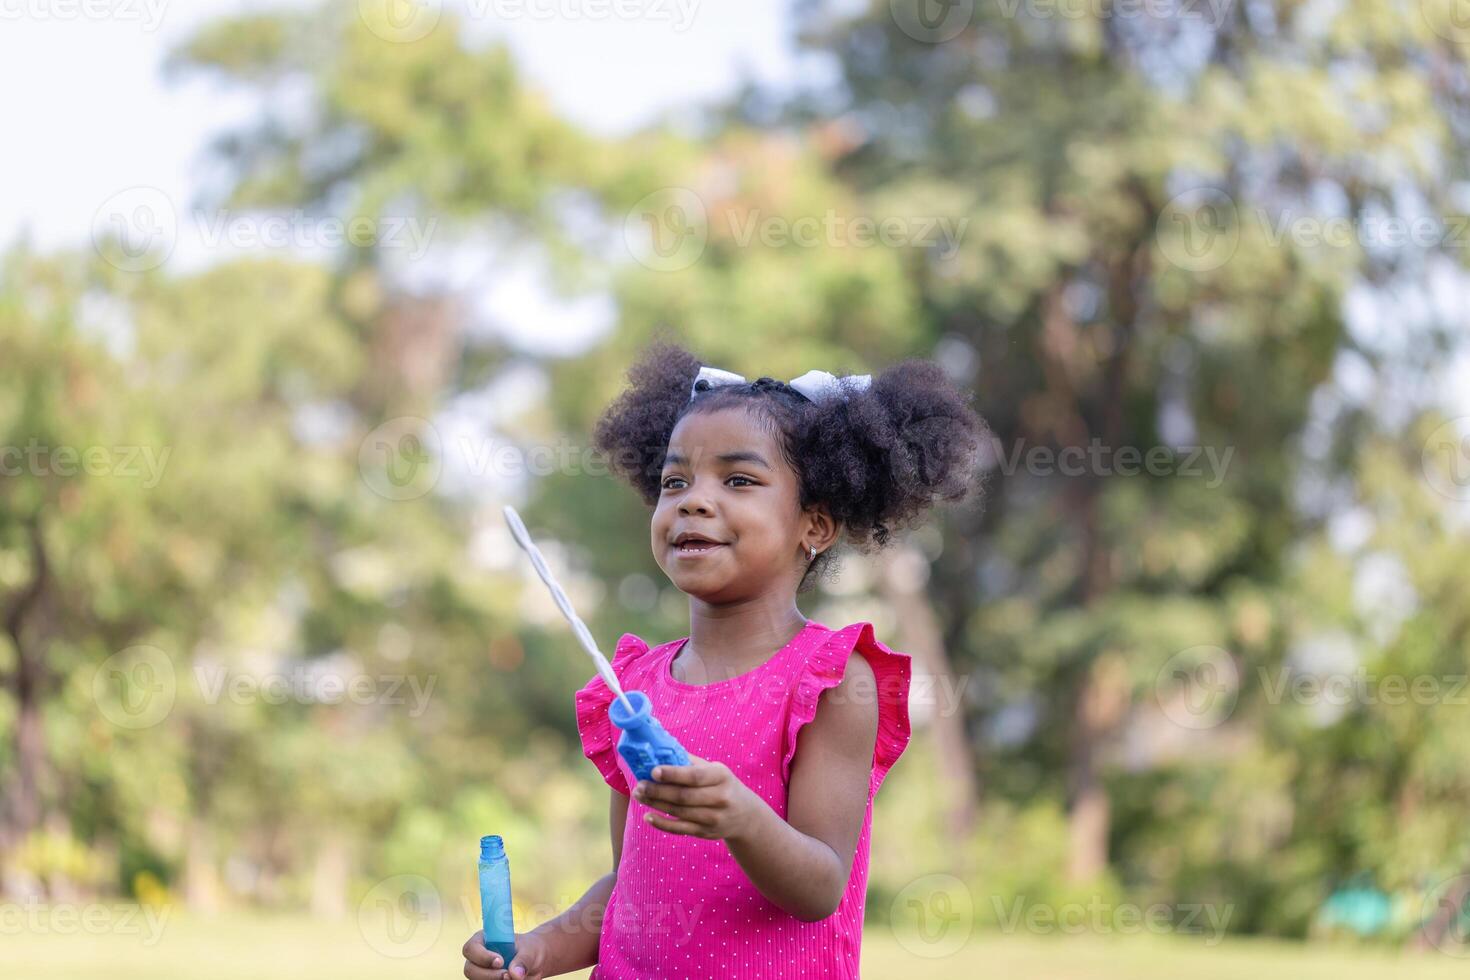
(644, 742)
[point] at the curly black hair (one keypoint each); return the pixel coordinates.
(878, 457)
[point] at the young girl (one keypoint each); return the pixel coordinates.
(752, 861)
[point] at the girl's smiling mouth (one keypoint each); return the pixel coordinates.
(692, 545)
(693, 549)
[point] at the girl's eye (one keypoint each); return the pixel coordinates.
(666, 486)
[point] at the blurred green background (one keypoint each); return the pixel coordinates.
(1191, 684)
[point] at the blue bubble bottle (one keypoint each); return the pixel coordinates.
(495, 908)
(644, 742)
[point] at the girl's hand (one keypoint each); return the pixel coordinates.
(704, 799)
(482, 964)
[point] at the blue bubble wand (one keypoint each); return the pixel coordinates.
(644, 743)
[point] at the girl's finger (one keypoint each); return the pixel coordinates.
(686, 795)
(699, 816)
(695, 774)
(679, 775)
(674, 826)
(476, 952)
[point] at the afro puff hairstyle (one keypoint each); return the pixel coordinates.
(878, 458)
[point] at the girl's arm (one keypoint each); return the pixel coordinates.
(800, 864)
(572, 936)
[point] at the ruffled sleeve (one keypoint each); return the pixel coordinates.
(825, 667)
(599, 735)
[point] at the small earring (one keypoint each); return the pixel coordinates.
(813, 555)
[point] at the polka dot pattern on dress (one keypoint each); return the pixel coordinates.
(682, 904)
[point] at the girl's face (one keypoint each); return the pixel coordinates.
(724, 478)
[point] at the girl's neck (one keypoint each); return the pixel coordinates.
(725, 639)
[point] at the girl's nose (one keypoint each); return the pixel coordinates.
(693, 503)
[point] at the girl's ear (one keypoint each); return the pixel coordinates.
(821, 528)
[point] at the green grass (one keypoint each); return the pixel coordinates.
(250, 947)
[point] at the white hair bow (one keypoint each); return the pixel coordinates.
(815, 385)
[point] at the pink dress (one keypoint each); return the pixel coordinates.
(682, 907)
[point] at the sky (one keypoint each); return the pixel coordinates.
(88, 116)
(92, 127)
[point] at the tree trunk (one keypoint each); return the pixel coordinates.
(329, 877)
(30, 748)
(1103, 694)
(902, 584)
(201, 882)
(22, 814)
(1100, 707)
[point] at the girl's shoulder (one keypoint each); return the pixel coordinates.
(629, 654)
(599, 740)
(824, 668)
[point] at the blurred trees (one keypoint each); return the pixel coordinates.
(1133, 278)
(1103, 223)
